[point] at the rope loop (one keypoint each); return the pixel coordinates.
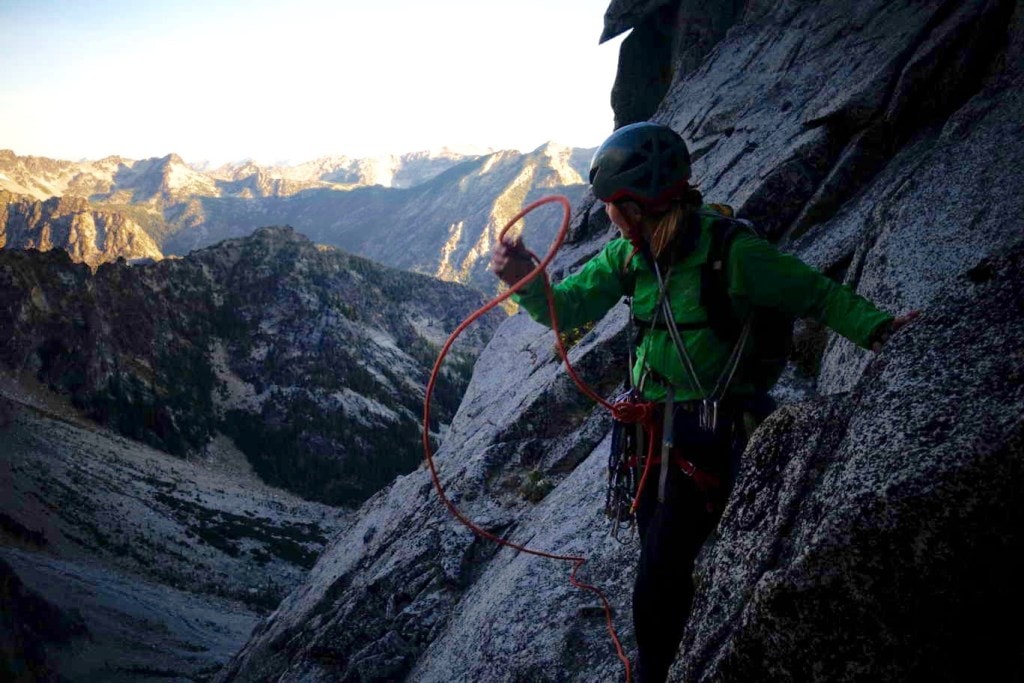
(634, 412)
(538, 271)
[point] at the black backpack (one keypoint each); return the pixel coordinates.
(771, 332)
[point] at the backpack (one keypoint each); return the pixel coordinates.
(771, 332)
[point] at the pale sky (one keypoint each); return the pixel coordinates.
(291, 81)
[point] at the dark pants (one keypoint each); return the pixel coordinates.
(671, 535)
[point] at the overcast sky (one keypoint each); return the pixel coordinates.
(291, 81)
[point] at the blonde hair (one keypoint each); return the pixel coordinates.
(668, 224)
(666, 228)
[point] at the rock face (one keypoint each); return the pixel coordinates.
(71, 224)
(400, 591)
(314, 361)
(879, 528)
(431, 212)
(30, 623)
(874, 530)
(669, 39)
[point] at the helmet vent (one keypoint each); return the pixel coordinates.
(634, 161)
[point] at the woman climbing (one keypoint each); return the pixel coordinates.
(700, 284)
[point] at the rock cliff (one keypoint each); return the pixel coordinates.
(874, 529)
(89, 235)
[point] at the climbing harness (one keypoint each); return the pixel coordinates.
(709, 403)
(629, 461)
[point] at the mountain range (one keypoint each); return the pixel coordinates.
(312, 360)
(433, 213)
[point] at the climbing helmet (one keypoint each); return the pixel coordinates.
(645, 162)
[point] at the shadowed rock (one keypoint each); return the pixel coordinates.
(669, 39)
(879, 531)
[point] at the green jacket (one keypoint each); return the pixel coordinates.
(758, 275)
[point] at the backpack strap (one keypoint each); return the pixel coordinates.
(714, 282)
(714, 289)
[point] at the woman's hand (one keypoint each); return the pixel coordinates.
(886, 332)
(510, 261)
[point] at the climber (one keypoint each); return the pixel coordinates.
(698, 374)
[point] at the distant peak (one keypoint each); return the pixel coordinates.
(552, 148)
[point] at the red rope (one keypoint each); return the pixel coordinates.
(647, 465)
(620, 410)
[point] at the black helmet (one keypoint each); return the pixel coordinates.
(645, 162)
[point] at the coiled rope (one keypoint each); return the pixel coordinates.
(624, 411)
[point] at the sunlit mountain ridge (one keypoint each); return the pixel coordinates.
(433, 212)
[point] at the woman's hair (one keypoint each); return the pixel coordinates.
(670, 222)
